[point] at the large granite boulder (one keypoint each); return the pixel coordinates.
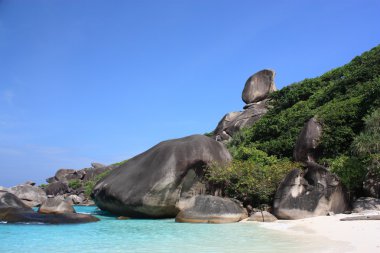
(364, 204)
(13, 210)
(9, 200)
(210, 209)
(56, 205)
(57, 188)
(263, 216)
(309, 193)
(30, 195)
(306, 149)
(150, 184)
(259, 86)
(233, 122)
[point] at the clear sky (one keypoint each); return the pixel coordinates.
(84, 81)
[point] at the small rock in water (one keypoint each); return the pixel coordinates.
(123, 218)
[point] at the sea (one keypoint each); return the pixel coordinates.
(155, 235)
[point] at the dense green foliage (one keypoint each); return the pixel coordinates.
(339, 99)
(75, 184)
(89, 185)
(252, 177)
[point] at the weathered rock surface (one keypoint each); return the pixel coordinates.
(65, 175)
(30, 183)
(97, 165)
(94, 172)
(13, 210)
(259, 86)
(74, 199)
(56, 205)
(210, 209)
(56, 188)
(9, 200)
(232, 122)
(150, 184)
(263, 216)
(311, 193)
(364, 204)
(30, 195)
(306, 149)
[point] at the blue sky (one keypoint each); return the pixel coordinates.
(84, 81)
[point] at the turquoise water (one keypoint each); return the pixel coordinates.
(112, 235)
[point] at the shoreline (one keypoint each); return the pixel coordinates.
(358, 236)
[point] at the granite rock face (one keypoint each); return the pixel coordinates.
(309, 193)
(306, 149)
(255, 95)
(30, 195)
(57, 188)
(9, 200)
(259, 86)
(150, 184)
(56, 205)
(210, 209)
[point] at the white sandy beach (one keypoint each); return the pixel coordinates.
(358, 236)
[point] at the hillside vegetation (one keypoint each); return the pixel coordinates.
(341, 100)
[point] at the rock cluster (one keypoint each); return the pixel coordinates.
(68, 184)
(255, 95)
(14, 210)
(311, 192)
(149, 185)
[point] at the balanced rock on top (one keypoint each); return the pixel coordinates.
(259, 86)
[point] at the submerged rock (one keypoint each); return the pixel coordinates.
(210, 209)
(311, 193)
(150, 184)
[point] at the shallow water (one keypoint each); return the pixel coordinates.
(112, 235)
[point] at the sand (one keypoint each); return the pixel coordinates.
(358, 236)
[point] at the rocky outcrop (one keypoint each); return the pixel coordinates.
(30, 195)
(364, 204)
(259, 86)
(150, 184)
(306, 148)
(56, 205)
(13, 210)
(263, 216)
(69, 184)
(57, 188)
(308, 193)
(210, 209)
(255, 95)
